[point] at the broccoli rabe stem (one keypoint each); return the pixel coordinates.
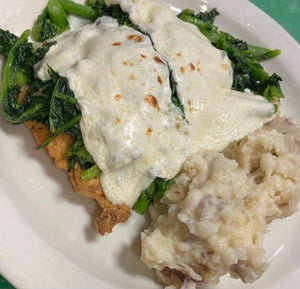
(80, 10)
(10, 69)
(57, 14)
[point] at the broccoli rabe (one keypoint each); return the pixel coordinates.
(78, 153)
(154, 192)
(17, 76)
(51, 22)
(247, 70)
(55, 18)
(7, 41)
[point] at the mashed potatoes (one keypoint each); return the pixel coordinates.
(212, 220)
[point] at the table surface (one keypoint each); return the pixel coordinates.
(285, 12)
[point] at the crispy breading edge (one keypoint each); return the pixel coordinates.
(111, 214)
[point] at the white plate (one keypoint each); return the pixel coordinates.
(47, 238)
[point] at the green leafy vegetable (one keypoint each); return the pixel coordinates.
(113, 11)
(90, 173)
(18, 74)
(7, 41)
(208, 16)
(64, 114)
(154, 192)
(174, 97)
(64, 128)
(51, 22)
(247, 70)
(78, 153)
(63, 105)
(54, 19)
(84, 11)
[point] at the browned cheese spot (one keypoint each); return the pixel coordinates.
(159, 80)
(131, 64)
(143, 55)
(178, 54)
(224, 66)
(191, 109)
(150, 99)
(135, 37)
(177, 125)
(182, 70)
(198, 65)
(125, 62)
(149, 131)
(117, 121)
(132, 77)
(116, 44)
(192, 66)
(158, 60)
(118, 96)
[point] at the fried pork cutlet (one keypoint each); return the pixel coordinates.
(110, 214)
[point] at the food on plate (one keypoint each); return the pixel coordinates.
(212, 220)
(146, 106)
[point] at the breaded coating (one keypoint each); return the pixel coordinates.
(111, 214)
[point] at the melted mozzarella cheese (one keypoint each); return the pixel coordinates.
(217, 115)
(129, 124)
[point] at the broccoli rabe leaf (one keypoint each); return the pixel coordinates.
(63, 104)
(247, 70)
(7, 41)
(25, 98)
(18, 75)
(154, 192)
(174, 97)
(208, 16)
(63, 114)
(116, 12)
